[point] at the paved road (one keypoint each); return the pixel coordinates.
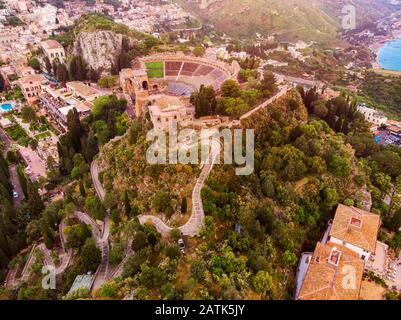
(102, 270)
(96, 182)
(101, 238)
(102, 241)
(16, 185)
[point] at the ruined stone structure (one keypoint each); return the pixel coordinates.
(135, 83)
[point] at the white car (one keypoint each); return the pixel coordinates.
(182, 245)
(15, 194)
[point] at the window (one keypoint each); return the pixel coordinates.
(335, 256)
(356, 222)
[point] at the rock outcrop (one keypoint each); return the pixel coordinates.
(101, 49)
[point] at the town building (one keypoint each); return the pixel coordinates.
(328, 269)
(59, 102)
(355, 229)
(334, 271)
(372, 115)
(8, 38)
(53, 50)
(82, 91)
(31, 86)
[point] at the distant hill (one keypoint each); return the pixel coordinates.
(290, 19)
(367, 11)
(309, 20)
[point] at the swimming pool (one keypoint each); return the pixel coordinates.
(6, 107)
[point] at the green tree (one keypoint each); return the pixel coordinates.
(48, 64)
(198, 269)
(35, 204)
(90, 255)
(62, 73)
(94, 207)
(140, 241)
(127, 205)
(184, 205)
(262, 282)
(175, 234)
(77, 68)
(339, 166)
(198, 51)
(172, 251)
(34, 63)
(162, 203)
(77, 235)
(230, 88)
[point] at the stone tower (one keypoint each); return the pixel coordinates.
(135, 83)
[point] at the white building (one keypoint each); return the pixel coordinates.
(372, 115)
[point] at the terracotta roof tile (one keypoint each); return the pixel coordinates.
(356, 226)
(327, 272)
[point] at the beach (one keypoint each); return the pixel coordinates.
(375, 47)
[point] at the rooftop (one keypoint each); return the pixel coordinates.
(82, 89)
(51, 44)
(325, 277)
(356, 226)
(32, 78)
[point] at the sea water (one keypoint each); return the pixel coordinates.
(390, 55)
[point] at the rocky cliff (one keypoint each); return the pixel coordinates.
(101, 49)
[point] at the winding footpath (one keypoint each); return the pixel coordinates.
(197, 220)
(101, 237)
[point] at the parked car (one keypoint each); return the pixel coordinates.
(182, 245)
(15, 194)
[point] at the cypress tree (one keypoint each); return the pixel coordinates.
(127, 205)
(184, 205)
(74, 129)
(3, 260)
(48, 65)
(82, 188)
(62, 73)
(35, 203)
(22, 180)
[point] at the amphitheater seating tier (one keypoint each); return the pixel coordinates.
(203, 70)
(173, 65)
(185, 76)
(172, 72)
(190, 67)
(179, 89)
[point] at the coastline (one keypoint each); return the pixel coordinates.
(375, 48)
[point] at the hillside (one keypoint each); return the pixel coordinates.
(368, 11)
(290, 20)
(104, 45)
(125, 169)
(309, 20)
(302, 170)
